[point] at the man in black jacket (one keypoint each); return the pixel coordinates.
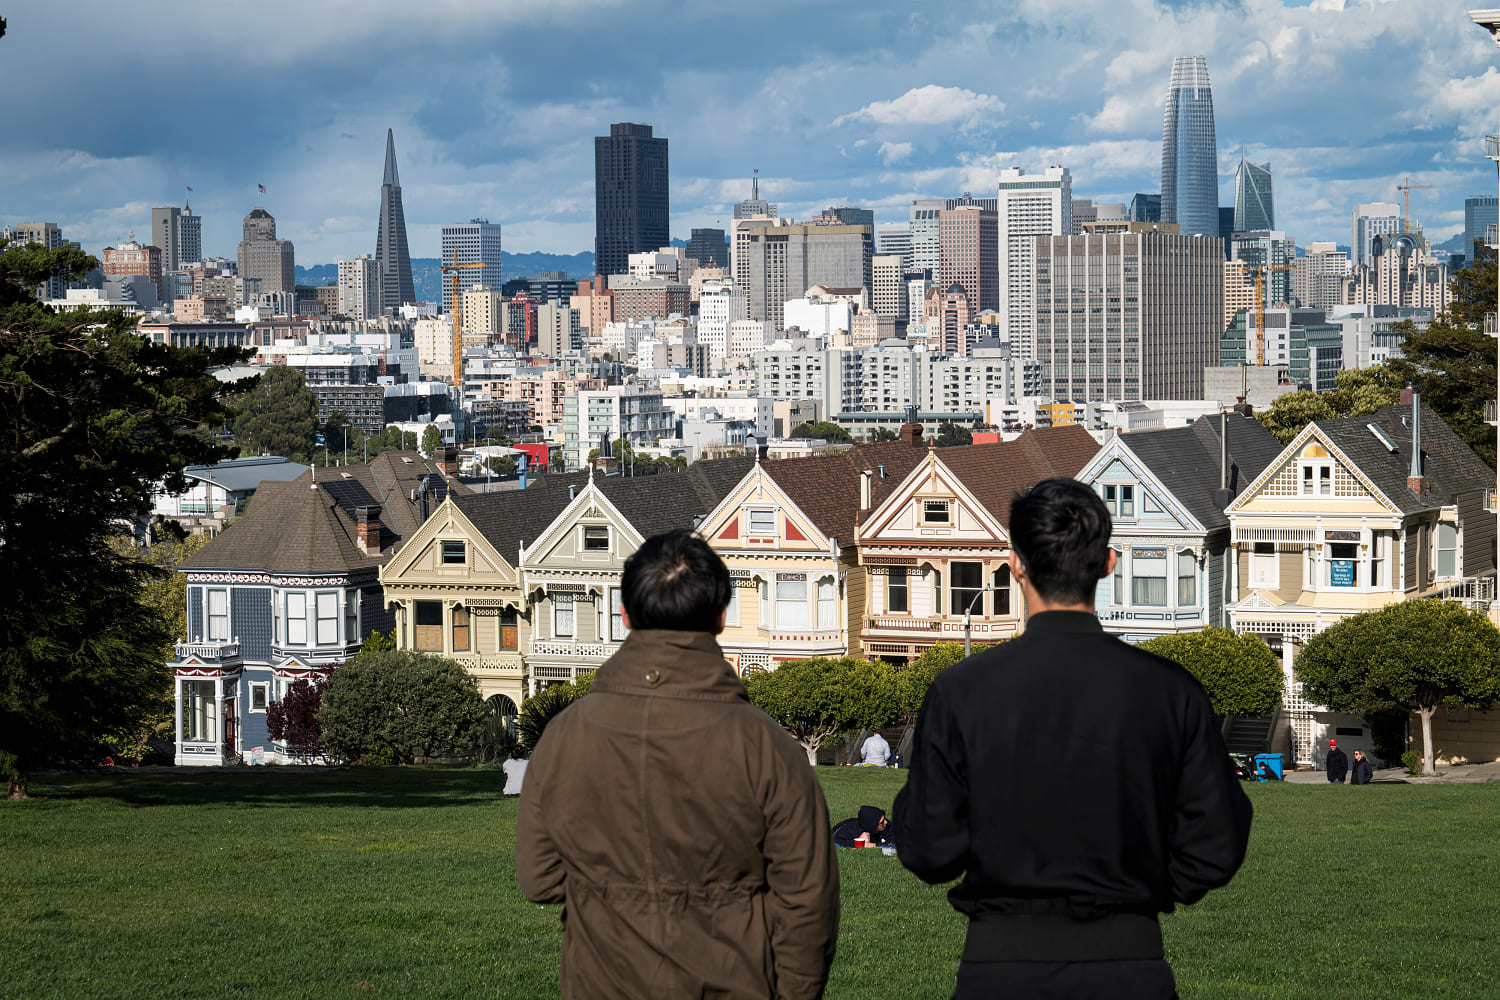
(1078, 784)
(1338, 764)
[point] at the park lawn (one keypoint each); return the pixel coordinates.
(281, 883)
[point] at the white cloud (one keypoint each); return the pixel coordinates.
(894, 152)
(930, 105)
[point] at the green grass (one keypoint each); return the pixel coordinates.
(280, 883)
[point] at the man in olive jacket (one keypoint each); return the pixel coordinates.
(679, 826)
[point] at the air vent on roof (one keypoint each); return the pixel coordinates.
(405, 459)
(1382, 437)
(347, 475)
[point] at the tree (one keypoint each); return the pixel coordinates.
(432, 440)
(824, 430)
(279, 416)
(1415, 655)
(1474, 289)
(1240, 673)
(1454, 367)
(377, 641)
(542, 707)
(1356, 393)
(950, 434)
(403, 703)
(293, 718)
(819, 699)
(92, 418)
(880, 434)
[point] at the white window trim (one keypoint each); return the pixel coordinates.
(208, 616)
(572, 602)
(302, 596)
(250, 699)
(732, 610)
(609, 541)
(443, 554)
(750, 513)
(947, 507)
(338, 616)
(1275, 577)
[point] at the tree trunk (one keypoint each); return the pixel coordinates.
(1429, 765)
(811, 746)
(17, 790)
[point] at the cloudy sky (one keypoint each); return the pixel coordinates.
(112, 108)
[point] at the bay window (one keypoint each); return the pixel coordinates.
(897, 596)
(328, 618)
(1148, 577)
(1002, 590)
(791, 600)
(966, 586)
(218, 616)
(827, 603)
(1187, 579)
(296, 619)
(562, 616)
(460, 629)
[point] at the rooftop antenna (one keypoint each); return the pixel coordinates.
(755, 185)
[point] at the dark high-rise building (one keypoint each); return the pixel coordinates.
(390, 242)
(1481, 214)
(708, 248)
(632, 204)
(1145, 208)
(1254, 207)
(1189, 151)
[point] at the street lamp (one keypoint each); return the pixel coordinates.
(967, 613)
(1489, 20)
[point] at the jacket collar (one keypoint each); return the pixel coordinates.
(670, 664)
(1064, 621)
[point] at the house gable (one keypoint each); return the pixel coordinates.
(931, 506)
(1156, 508)
(758, 516)
(424, 559)
(589, 534)
(1296, 482)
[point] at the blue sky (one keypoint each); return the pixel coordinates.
(112, 108)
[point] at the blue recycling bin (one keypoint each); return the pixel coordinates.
(1265, 761)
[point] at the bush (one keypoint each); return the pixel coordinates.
(293, 718)
(818, 699)
(542, 707)
(1412, 760)
(402, 704)
(1240, 673)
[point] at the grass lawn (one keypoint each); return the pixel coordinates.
(280, 883)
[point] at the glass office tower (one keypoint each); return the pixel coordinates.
(1254, 208)
(1189, 152)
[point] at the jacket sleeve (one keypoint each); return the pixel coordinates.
(539, 866)
(931, 823)
(1212, 824)
(802, 875)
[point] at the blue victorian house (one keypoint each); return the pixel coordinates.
(1166, 491)
(287, 591)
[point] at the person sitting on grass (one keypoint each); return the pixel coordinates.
(868, 829)
(876, 752)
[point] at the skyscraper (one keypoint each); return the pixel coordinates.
(390, 242)
(632, 202)
(477, 242)
(780, 260)
(1189, 151)
(179, 234)
(359, 287)
(709, 248)
(263, 256)
(753, 207)
(1368, 222)
(1145, 208)
(967, 238)
(1480, 214)
(49, 235)
(1253, 205)
(1030, 205)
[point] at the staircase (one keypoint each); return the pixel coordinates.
(1249, 733)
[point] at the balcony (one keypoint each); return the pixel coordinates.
(1491, 325)
(1474, 593)
(209, 652)
(1489, 412)
(1492, 147)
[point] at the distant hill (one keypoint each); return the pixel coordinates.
(427, 275)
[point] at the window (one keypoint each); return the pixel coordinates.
(260, 694)
(617, 630)
(562, 616)
(827, 604)
(453, 553)
(328, 618)
(296, 619)
(1148, 577)
(1378, 552)
(428, 631)
(1118, 597)
(1317, 479)
(1002, 590)
(762, 522)
(1343, 564)
(935, 512)
(732, 612)
(765, 604)
(791, 600)
(596, 538)
(351, 617)
(218, 616)
(198, 711)
(1263, 570)
(966, 586)
(897, 594)
(1446, 540)
(460, 628)
(1187, 579)
(509, 635)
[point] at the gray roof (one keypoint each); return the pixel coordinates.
(1450, 465)
(1186, 460)
(243, 474)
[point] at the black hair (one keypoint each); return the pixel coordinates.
(1060, 529)
(675, 581)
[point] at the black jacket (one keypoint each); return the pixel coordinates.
(1068, 769)
(1364, 772)
(1338, 765)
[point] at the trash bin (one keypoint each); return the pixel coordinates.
(1268, 761)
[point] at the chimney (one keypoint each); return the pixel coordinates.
(864, 489)
(1223, 496)
(422, 501)
(1415, 481)
(367, 528)
(912, 434)
(447, 460)
(882, 471)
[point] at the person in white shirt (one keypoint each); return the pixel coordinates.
(515, 772)
(876, 752)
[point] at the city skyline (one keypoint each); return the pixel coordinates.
(491, 128)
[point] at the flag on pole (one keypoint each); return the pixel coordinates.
(190, 189)
(262, 188)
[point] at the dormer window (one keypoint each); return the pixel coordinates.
(596, 538)
(936, 512)
(1120, 500)
(453, 553)
(762, 522)
(1317, 479)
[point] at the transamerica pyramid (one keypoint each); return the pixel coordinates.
(390, 243)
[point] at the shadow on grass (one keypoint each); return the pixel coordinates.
(365, 787)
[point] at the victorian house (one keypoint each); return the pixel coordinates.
(1352, 515)
(933, 551)
(1166, 491)
(288, 590)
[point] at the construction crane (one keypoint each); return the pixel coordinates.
(1406, 190)
(458, 309)
(1260, 307)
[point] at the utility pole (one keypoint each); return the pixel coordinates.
(1490, 21)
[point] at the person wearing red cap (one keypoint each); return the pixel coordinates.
(1338, 764)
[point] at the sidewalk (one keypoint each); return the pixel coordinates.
(1459, 773)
